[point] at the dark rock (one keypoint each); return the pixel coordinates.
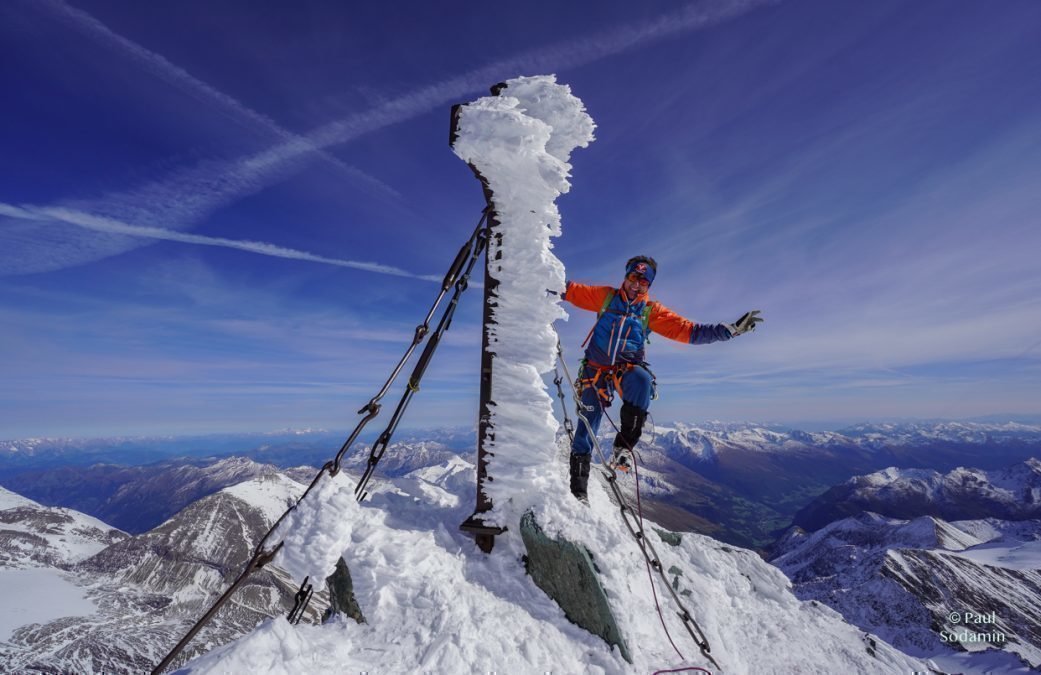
(341, 595)
(565, 572)
(670, 538)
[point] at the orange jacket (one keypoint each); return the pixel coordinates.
(661, 320)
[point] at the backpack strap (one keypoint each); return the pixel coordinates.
(645, 317)
(607, 303)
(603, 308)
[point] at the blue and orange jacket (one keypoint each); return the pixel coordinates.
(619, 336)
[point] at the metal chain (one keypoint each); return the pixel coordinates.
(380, 446)
(261, 556)
(451, 278)
(634, 523)
(300, 602)
(568, 426)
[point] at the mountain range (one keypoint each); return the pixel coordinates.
(896, 579)
(740, 483)
(884, 556)
(113, 603)
(433, 602)
(1010, 493)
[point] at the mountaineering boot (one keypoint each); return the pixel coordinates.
(620, 459)
(580, 476)
(632, 419)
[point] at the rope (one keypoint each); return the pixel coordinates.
(467, 254)
(644, 543)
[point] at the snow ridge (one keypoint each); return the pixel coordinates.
(434, 603)
(902, 579)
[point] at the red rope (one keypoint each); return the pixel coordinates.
(646, 560)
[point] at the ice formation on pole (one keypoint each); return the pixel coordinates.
(520, 142)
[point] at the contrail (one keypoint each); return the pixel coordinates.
(111, 226)
(190, 195)
(181, 79)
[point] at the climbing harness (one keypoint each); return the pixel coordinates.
(634, 523)
(611, 375)
(456, 277)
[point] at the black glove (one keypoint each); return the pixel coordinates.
(745, 324)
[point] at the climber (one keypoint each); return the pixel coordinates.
(614, 358)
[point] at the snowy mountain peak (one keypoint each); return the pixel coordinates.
(1013, 493)
(33, 535)
(902, 579)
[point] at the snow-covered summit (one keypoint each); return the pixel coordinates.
(33, 535)
(1012, 493)
(433, 602)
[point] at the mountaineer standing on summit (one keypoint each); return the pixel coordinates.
(614, 358)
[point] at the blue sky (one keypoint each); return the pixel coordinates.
(219, 216)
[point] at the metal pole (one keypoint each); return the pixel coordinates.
(485, 534)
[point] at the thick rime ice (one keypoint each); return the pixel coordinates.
(318, 530)
(520, 141)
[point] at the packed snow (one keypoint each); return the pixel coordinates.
(37, 596)
(318, 529)
(434, 603)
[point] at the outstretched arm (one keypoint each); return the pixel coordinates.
(667, 323)
(586, 297)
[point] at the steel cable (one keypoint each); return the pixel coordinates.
(467, 254)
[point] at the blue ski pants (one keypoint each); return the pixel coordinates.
(636, 390)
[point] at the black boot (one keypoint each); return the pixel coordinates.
(632, 419)
(580, 476)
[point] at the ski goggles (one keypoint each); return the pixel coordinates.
(638, 279)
